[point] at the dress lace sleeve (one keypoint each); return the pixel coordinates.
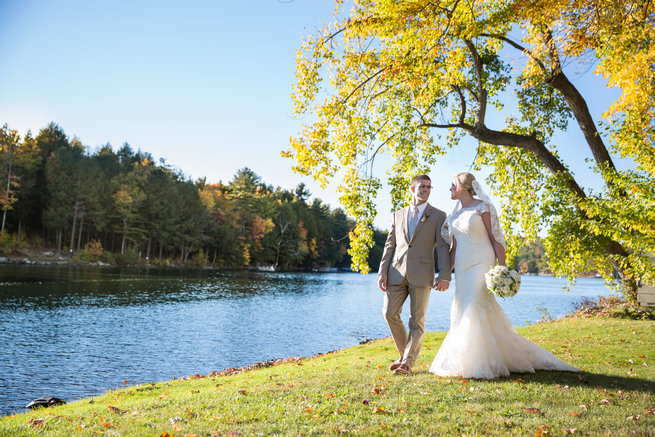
(446, 230)
(447, 227)
(496, 229)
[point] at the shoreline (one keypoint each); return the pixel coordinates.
(50, 258)
(352, 391)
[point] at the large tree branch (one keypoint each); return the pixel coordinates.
(530, 143)
(556, 78)
(580, 110)
(462, 115)
(518, 47)
(481, 113)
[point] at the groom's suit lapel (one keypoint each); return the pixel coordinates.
(419, 225)
(403, 222)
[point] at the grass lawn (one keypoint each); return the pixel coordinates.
(352, 392)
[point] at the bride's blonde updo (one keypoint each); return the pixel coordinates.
(465, 180)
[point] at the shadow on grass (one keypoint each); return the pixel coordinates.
(582, 379)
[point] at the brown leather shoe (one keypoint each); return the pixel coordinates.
(395, 365)
(403, 370)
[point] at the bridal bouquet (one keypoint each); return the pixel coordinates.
(502, 281)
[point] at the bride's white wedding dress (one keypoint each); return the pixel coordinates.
(481, 342)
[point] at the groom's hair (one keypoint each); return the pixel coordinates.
(416, 180)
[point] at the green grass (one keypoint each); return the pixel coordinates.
(352, 392)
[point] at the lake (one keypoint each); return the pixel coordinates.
(75, 332)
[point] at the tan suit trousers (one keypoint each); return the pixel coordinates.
(409, 345)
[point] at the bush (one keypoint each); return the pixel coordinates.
(108, 257)
(9, 242)
(92, 252)
(166, 262)
(130, 257)
(613, 306)
(199, 259)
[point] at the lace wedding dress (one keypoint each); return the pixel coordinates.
(481, 342)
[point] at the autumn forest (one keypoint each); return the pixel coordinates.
(123, 208)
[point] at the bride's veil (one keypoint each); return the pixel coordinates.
(496, 229)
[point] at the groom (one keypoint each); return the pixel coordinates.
(407, 269)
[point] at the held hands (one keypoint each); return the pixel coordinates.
(441, 285)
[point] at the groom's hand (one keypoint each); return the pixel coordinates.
(441, 285)
(382, 282)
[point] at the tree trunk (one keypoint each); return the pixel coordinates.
(70, 248)
(4, 213)
(79, 234)
(148, 249)
(125, 228)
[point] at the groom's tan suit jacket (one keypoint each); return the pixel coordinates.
(414, 258)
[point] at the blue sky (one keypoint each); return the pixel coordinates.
(205, 85)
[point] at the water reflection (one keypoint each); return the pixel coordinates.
(74, 332)
(50, 288)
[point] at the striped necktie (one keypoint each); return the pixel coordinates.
(413, 221)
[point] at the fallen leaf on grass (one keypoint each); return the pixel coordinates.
(532, 410)
(634, 418)
(570, 430)
(575, 414)
(379, 410)
(584, 407)
(582, 379)
(365, 402)
(543, 430)
(116, 410)
(605, 401)
(649, 410)
(177, 428)
(35, 423)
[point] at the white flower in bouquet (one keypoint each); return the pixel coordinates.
(502, 281)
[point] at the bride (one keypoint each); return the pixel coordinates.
(481, 342)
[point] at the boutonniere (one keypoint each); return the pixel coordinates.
(424, 218)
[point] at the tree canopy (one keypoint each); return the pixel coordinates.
(413, 78)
